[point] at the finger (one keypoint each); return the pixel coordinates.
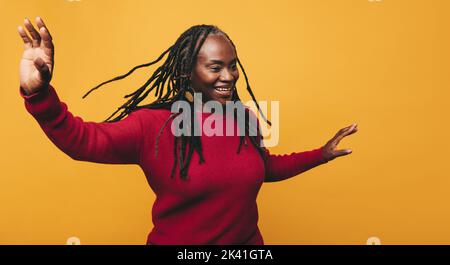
(40, 23)
(350, 131)
(46, 41)
(343, 134)
(342, 152)
(355, 129)
(25, 38)
(34, 34)
(42, 68)
(342, 131)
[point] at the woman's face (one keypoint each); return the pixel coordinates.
(215, 73)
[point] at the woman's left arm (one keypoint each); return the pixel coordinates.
(281, 167)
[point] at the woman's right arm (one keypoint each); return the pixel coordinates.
(110, 143)
(113, 143)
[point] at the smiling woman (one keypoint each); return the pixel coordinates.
(206, 186)
(215, 73)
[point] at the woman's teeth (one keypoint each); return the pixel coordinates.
(223, 88)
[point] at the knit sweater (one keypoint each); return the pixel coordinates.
(216, 205)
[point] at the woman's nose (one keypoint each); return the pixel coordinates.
(226, 75)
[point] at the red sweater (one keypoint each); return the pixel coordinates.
(217, 205)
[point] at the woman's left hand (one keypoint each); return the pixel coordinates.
(329, 152)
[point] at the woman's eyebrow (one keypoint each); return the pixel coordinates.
(215, 61)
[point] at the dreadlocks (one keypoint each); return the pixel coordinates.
(170, 83)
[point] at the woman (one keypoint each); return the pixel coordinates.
(205, 186)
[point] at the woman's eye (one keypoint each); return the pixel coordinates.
(215, 69)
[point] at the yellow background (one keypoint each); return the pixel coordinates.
(384, 65)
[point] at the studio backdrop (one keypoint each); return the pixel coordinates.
(382, 64)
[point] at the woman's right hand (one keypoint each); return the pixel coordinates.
(36, 65)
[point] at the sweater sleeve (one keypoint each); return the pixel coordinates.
(106, 142)
(281, 167)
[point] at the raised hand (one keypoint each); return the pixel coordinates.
(36, 65)
(329, 151)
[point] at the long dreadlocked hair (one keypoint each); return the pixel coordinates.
(170, 83)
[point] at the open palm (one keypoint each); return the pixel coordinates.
(330, 152)
(36, 65)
